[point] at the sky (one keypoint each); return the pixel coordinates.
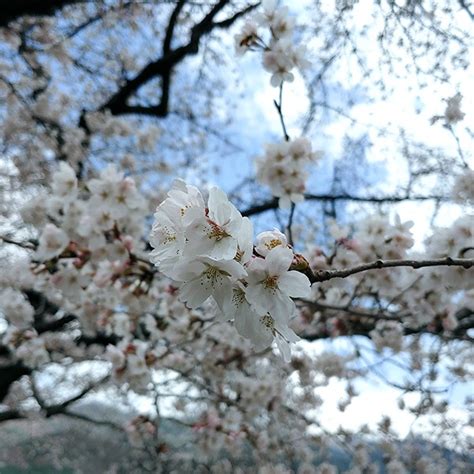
(408, 106)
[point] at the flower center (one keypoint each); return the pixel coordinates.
(213, 275)
(238, 256)
(271, 282)
(238, 297)
(271, 244)
(268, 322)
(216, 232)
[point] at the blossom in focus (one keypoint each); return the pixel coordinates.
(268, 240)
(262, 330)
(208, 250)
(206, 277)
(271, 285)
(215, 234)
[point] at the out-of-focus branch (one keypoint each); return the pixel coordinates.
(273, 204)
(466, 8)
(13, 10)
(164, 65)
(10, 415)
(51, 410)
(9, 374)
(24, 245)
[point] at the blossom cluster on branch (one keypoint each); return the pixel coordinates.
(283, 168)
(208, 249)
(280, 54)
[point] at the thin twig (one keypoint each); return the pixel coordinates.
(25, 245)
(289, 230)
(279, 106)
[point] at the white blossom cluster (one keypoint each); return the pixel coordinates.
(28, 346)
(283, 168)
(131, 362)
(208, 249)
(412, 292)
(84, 251)
(20, 336)
(453, 113)
(16, 308)
(280, 55)
(463, 188)
(455, 241)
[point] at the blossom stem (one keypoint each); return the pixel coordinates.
(278, 106)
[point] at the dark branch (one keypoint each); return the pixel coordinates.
(10, 415)
(466, 8)
(12, 10)
(10, 374)
(163, 67)
(273, 204)
(61, 407)
(325, 275)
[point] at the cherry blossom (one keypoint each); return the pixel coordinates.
(64, 183)
(268, 240)
(16, 309)
(215, 234)
(271, 284)
(206, 277)
(283, 169)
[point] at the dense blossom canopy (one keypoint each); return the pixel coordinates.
(230, 310)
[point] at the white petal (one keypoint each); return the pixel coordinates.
(287, 333)
(245, 240)
(188, 270)
(284, 348)
(278, 260)
(233, 268)
(282, 308)
(246, 322)
(262, 299)
(193, 293)
(219, 206)
(295, 284)
(222, 294)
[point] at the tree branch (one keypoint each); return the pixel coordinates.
(273, 204)
(10, 374)
(10, 415)
(16, 9)
(163, 66)
(61, 407)
(465, 7)
(325, 275)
